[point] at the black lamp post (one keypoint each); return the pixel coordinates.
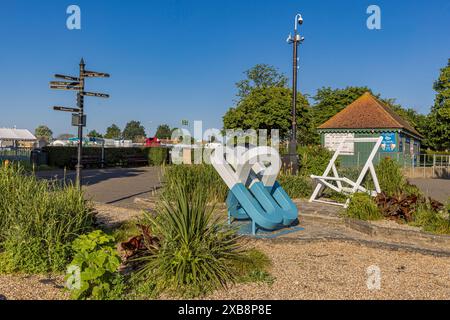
(296, 40)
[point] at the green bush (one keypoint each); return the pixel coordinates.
(196, 253)
(92, 274)
(363, 207)
(38, 222)
(60, 156)
(390, 176)
(158, 156)
(313, 160)
(295, 186)
(432, 221)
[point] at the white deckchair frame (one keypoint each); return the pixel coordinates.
(322, 181)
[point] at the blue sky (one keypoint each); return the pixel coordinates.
(179, 59)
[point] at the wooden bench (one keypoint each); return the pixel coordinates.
(135, 160)
(86, 161)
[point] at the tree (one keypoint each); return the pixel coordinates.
(94, 134)
(113, 132)
(260, 76)
(270, 108)
(439, 118)
(65, 136)
(43, 132)
(133, 130)
(163, 132)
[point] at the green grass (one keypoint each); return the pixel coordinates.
(432, 221)
(362, 207)
(254, 267)
(38, 221)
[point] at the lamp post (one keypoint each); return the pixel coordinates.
(296, 40)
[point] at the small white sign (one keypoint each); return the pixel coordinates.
(333, 140)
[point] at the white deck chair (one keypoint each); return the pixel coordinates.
(323, 180)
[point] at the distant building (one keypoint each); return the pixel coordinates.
(369, 117)
(14, 138)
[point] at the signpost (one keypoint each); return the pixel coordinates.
(78, 116)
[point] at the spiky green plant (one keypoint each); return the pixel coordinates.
(197, 251)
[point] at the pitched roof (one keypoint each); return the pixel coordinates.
(16, 134)
(367, 112)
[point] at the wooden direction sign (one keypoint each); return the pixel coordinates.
(70, 78)
(94, 74)
(94, 94)
(64, 83)
(65, 109)
(68, 87)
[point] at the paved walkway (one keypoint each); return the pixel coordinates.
(116, 186)
(438, 189)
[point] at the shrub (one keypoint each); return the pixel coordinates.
(390, 176)
(295, 186)
(158, 156)
(313, 160)
(38, 221)
(93, 271)
(363, 207)
(432, 221)
(196, 252)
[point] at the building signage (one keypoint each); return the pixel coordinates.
(389, 142)
(333, 140)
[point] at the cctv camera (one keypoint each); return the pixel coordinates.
(300, 19)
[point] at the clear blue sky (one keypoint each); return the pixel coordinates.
(179, 59)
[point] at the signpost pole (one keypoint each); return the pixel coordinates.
(80, 104)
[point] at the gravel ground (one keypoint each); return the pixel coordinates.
(338, 270)
(304, 270)
(20, 287)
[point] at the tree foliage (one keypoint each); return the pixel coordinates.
(163, 132)
(113, 132)
(94, 134)
(134, 131)
(265, 102)
(43, 132)
(258, 77)
(439, 118)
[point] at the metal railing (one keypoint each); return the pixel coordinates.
(15, 154)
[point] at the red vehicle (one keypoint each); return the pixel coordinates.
(152, 142)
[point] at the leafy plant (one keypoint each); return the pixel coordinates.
(313, 160)
(390, 176)
(196, 251)
(97, 261)
(295, 186)
(363, 207)
(432, 221)
(39, 219)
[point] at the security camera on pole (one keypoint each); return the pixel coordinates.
(78, 116)
(296, 40)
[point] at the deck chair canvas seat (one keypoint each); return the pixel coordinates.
(343, 184)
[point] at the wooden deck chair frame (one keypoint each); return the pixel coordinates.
(322, 181)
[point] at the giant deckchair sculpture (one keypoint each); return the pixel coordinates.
(254, 192)
(326, 180)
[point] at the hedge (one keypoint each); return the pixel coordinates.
(60, 156)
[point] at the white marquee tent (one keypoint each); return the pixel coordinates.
(13, 135)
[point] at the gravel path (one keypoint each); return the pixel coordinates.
(305, 270)
(21, 287)
(338, 270)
